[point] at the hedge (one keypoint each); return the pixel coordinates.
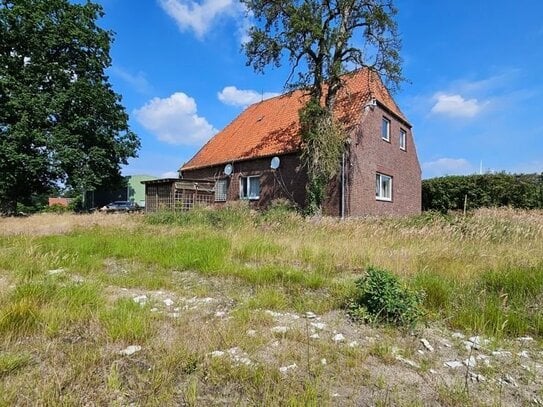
(488, 190)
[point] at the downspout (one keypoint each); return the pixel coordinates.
(343, 185)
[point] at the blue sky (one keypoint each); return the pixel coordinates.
(474, 94)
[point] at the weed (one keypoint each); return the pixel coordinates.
(381, 297)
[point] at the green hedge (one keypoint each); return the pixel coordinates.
(488, 190)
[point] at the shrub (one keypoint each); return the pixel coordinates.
(381, 297)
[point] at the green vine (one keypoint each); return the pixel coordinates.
(323, 141)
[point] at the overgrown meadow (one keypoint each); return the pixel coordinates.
(68, 284)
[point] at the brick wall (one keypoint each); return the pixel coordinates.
(370, 154)
(288, 181)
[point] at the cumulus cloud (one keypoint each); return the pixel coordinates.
(233, 96)
(175, 120)
(454, 105)
(170, 174)
(447, 166)
(199, 17)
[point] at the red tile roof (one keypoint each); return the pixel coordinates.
(271, 127)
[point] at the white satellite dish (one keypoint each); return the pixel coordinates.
(228, 168)
(275, 161)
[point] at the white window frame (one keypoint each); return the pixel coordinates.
(247, 180)
(220, 196)
(380, 189)
(385, 123)
(403, 139)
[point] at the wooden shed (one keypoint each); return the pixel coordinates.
(177, 194)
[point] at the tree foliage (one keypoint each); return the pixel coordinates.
(320, 39)
(488, 190)
(60, 120)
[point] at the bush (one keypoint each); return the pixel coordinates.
(523, 191)
(381, 297)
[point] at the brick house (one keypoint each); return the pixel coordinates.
(257, 156)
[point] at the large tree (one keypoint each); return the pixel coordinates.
(321, 39)
(60, 120)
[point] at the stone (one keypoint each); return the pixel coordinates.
(318, 325)
(217, 353)
(168, 302)
(470, 362)
(324, 362)
(458, 335)
(408, 362)
(338, 338)
(501, 353)
(310, 315)
(453, 364)
(140, 299)
(220, 314)
(285, 369)
(509, 380)
(251, 332)
(353, 344)
(130, 350)
(476, 377)
(525, 339)
(279, 329)
(478, 341)
(55, 271)
(314, 336)
(427, 345)
(523, 354)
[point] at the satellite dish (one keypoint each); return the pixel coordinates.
(228, 169)
(275, 161)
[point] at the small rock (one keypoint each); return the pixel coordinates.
(310, 315)
(251, 332)
(432, 371)
(353, 344)
(285, 369)
(453, 364)
(314, 336)
(477, 377)
(275, 344)
(140, 299)
(458, 335)
(279, 329)
(55, 271)
(503, 353)
(217, 353)
(130, 350)
(471, 362)
(168, 302)
(273, 313)
(318, 325)
(220, 314)
(523, 354)
(446, 344)
(335, 394)
(509, 380)
(324, 362)
(176, 309)
(420, 351)
(427, 345)
(408, 362)
(478, 341)
(525, 339)
(154, 309)
(174, 314)
(338, 338)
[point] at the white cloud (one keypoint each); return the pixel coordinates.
(170, 174)
(233, 96)
(447, 166)
(455, 105)
(199, 17)
(175, 120)
(138, 81)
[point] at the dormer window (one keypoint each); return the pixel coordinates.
(385, 129)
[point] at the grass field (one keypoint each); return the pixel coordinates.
(77, 290)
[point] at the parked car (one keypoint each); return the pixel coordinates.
(120, 206)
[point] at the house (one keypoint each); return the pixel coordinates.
(257, 156)
(131, 190)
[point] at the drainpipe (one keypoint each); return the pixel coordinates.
(343, 185)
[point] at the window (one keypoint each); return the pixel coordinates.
(385, 129)
(249, 187)
(221, 186)
(403, 138)
(383, 187)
